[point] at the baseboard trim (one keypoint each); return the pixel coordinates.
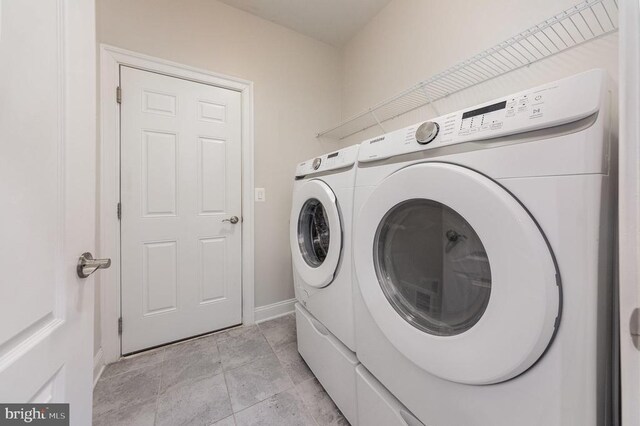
(98, 366)
(274, 310)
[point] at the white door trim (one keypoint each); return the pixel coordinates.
(629, 206)
(109, 188)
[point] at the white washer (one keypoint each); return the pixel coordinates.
(320, 236)
(482, 252)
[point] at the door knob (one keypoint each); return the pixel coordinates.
(87, 265)
(232, 219)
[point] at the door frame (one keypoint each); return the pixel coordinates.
(111, 58)
(629, 208)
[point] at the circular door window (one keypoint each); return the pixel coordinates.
(455, 273)
(432, 267)
(314, 234)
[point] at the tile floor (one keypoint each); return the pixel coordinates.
(244, 376)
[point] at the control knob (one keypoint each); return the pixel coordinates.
(427, 132)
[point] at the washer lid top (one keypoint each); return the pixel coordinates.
(315, 233)
(456, 273)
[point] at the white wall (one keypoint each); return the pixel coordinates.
(411, 40)
(297, 92)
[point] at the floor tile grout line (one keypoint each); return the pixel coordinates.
(216, 337)
(133, 370)
(219, 334)
(293, 385)
(275, 352)
(323, 390)
(155, 414)
(304, 403)
(209, 375)
(263, 400)
(252, 361)
(162, 349)
(102, 378)
(226, 385)
(284, 367)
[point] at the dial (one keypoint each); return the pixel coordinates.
(316, 163)
(427, 132)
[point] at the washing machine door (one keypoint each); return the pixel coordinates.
(316, 233)
(456, 273)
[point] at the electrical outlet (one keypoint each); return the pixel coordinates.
(260, 194)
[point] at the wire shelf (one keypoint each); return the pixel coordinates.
(583, 22)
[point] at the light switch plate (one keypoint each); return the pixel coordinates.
(260, 194)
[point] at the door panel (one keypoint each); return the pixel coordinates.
(160, 281)
(159, 173)
(212, 280)
(47, 179)
(212, 169)
(180, 177)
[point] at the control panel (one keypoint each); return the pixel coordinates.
(335, 160)
(549, 105)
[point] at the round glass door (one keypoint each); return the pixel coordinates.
(315, 233)
(455, 273)
(432, 267)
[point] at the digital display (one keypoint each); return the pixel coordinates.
(485, 110)
(335, 154)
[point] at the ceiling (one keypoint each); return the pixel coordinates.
(331, 21)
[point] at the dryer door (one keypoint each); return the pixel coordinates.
(316, 233)
(456, 273)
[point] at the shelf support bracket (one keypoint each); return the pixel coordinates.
(373, 114)
(429, 101)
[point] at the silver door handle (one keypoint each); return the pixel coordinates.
(232, 219)
(87, 265)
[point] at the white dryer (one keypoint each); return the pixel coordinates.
(320, 236)
(482, 253)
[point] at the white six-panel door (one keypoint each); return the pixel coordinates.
(47, 183)
(180, 185)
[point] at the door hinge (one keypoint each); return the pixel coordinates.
(118, 95)
(634, 327)
(119, 211)
(120, 325)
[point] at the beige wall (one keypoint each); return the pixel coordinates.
(411, 40)
(297, 92)
(302, 85)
